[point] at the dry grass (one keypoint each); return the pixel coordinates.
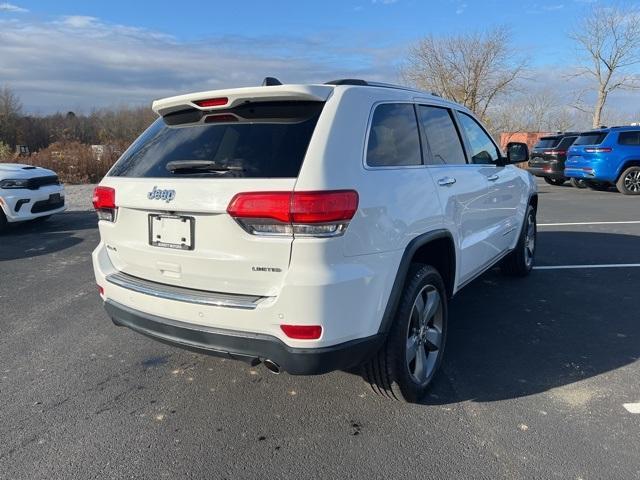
(74, 162)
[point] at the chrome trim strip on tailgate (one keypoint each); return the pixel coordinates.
(188, 295)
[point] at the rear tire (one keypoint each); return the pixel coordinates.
(577, 183)
(520, 261)
(406, 364)
(629, 181)
(557, 182)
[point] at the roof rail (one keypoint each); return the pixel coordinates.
(364, 83)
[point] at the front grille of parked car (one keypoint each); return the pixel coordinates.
(46, 205)
(37, 182)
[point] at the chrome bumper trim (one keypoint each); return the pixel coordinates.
(180, 294)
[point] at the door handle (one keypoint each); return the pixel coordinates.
(443, 182)
(493, 178)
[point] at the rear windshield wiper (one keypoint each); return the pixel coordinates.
(187, 166)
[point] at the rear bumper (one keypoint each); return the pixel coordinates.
(250, 347)
(547, 171)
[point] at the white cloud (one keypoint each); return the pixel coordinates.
(79, 21)
(77, 63)
(461, 8)
(9, 7)
(384, 2)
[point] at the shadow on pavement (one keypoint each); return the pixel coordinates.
(511, 338)
(35, 238)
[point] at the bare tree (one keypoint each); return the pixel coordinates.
(609, 38)
(10, 111)
(474, 69)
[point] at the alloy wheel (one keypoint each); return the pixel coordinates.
(424, 335)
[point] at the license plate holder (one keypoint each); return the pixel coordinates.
(172, 231)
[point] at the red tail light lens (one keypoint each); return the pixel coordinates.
(598, 150)
(104, 201)
(321, 207)
(324, 213)
(555, 152)
(302, 332)
(212, 102)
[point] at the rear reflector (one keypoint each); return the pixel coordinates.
(100, 290)
(322, 213)
(302, 332)
(212, 102)
(104, 201)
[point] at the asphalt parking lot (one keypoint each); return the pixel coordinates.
(541, 378)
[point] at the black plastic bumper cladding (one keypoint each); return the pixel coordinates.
(246, 346)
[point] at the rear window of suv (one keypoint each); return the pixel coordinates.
(260, 140)
(591, 138)
(547, 142)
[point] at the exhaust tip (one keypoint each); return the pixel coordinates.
(272, 366)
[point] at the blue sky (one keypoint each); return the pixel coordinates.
(64, 54)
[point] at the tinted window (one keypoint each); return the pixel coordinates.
(258, 141)
(393, 139)
(442, 136)
(592, 138)
(629, 138)
(547, 142)
(483, 150)
(566, 142)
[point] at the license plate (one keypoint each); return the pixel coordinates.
(171, 231)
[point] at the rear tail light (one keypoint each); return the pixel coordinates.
(101, 291)
(555, 152)
(104, 201)
(598, 149)
(311, 214)
(302, 332)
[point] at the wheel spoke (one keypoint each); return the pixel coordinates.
(421, 364)
(432, 304)
(434, 337)
(412, 348)
(419, 308)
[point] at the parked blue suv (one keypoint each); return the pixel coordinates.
(605, 157)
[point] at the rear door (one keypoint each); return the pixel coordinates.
(462, 187)
(174, 184)
(506, 188)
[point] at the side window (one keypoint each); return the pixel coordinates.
(393, 139)
(483, 150)
(629, 138)
(442, 136)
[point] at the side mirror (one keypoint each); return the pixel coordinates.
(517, 152)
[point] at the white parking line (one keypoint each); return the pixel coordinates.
(629, 222)
(632, 407)
(572, 267)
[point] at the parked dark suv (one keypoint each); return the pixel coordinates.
(548, 157)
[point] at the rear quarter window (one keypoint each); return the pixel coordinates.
(566, 142)
(261, 140)
(629, 138)
(393, 138)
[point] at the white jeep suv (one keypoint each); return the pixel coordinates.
(28, 193)
(310, 227)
